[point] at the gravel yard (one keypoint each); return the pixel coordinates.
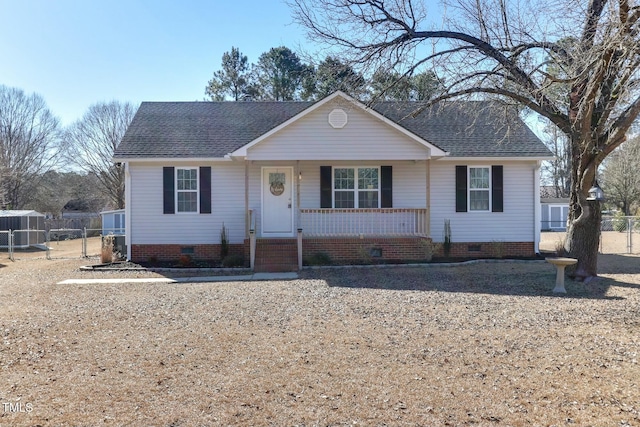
(482, 344)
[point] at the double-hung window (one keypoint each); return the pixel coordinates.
(479, 188)
(187, 190)
(356, 187)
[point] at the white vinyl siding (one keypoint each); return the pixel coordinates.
(364, 137)
(515, 224)
(150, 226)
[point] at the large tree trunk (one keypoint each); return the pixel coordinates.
(585, 216)
(583, 239)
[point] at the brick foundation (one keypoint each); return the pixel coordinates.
(170, 252)
(348, 250)
(370, 250)
(487, 250)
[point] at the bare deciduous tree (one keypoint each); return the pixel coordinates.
(59, 189)
(622, 176)
(92, 141)
(503, 49)
(557, 172)
(30, 145)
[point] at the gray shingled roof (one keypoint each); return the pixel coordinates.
(213, 129)
(201, 129)
(468, 128)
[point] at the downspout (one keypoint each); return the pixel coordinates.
(428, 204)
(537, 216)
(127, 209)
(297, 178)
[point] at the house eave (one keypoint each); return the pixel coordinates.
(112, 211)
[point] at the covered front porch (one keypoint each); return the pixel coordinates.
(337, 198)
(349, 210)
(343, 236)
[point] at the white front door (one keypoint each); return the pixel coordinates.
(277, 202)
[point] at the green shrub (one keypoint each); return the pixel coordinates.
(318, 258)
(233, 261)
(446, 246)
(224, 242)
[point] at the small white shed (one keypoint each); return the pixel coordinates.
(27, 226)
(113, 222)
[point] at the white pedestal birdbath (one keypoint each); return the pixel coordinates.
(560, 264)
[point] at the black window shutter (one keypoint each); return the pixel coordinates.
(461, 188)
(325, 187)
(168, 190)
(205, 189)
(497, 197)
(386, 197)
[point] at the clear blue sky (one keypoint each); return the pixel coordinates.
(75, 53)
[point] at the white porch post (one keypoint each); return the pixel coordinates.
(428, 214)
(299, 248)
(252, 248)
(297, 177)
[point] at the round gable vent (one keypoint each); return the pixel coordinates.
(337, 118)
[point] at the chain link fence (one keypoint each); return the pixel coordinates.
(618, 235)
(62, 243)
(5, 237)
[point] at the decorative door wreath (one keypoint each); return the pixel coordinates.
(276, 183)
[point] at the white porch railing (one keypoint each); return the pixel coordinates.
(355, 222)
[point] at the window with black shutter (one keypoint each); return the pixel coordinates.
(186, 190)
(356, 187)
(479, 188)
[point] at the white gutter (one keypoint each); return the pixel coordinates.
(171, 159)
(492, 159)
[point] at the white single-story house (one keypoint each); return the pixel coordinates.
(333, 177)
(554, 210)
(113, 222)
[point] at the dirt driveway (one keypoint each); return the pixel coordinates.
(483, 344)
